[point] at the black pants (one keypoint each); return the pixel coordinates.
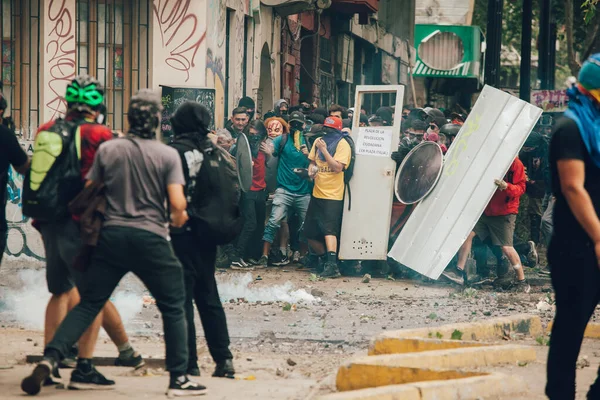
(198, 259)
(254, 206)
(151, 258)
(576, 281)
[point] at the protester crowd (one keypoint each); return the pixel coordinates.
(299, 219)
(171, 213)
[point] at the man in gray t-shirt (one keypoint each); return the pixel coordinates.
(140, 175)
(136, 173)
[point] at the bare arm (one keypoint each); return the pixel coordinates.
(572, 178)
(334, 165)
(178, 205)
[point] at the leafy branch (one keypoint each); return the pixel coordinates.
(589, 10)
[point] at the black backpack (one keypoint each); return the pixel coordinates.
(214, 206)
(54, 178)
(349, 171)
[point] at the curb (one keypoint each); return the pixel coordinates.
(393, 369)
(434, 363)
(493, 385)
(492, 329)
(592, 331)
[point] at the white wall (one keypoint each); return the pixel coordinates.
(58, 55)
(179, 32)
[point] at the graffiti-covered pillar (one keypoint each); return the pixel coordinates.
(58, 55)
(179, 43)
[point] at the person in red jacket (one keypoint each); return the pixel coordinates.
(498, 223)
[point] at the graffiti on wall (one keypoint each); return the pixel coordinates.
(215, 55)
(181, 34)
(60, 55)
(215, 75)
(23, 238)
(239, 50)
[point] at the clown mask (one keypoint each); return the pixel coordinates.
(274, 129)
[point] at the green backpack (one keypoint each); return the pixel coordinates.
(54, 178)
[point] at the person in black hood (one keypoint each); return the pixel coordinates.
(190, 124)
(386, 115)
(249, 105)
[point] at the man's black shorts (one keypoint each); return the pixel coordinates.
(323, 218)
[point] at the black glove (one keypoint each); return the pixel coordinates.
(397, 156)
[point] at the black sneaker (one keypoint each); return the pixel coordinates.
(281, 261)
(239, 264)
(54, 379)
(93, 380)
(183, 387)
(455, 275)
(330, 270)
(532, 256)
(134, 360)
(262, 263)
(224, 369)
(32, 385)
(70, 360)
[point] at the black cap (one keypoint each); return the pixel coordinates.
(418, 125)
(297, 116)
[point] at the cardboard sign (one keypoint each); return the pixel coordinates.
(374, 141)
(483, 151)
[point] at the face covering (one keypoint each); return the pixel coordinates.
(255, 141)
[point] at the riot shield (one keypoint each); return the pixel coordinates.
(244, 162)
(419, 173)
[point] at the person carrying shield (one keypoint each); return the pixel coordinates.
(253, 202)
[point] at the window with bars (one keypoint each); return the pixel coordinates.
(113, 45)
(20, 73)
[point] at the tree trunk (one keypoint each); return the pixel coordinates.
(592, 45)
(573, 64)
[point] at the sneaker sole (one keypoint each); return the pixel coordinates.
(454, 280)
(67, 364)
(281, 264)
(32, 385)
(120, 363)
(171, 393)
(239, 268)
(89, 386)
(331, 276)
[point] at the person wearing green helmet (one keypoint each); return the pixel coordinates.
(62, 243)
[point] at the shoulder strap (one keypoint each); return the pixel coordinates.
(284, 139)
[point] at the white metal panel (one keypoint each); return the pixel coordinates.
(483, 151)
(366, 226)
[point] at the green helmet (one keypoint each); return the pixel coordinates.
(85, 90)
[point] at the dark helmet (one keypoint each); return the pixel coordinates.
(435, 115)
(450, 129)
(297, 116)
(85, 91)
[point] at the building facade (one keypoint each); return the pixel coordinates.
(236, 47)
(133, 44)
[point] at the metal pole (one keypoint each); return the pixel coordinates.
(545, 45)
(494, 42)
(525, 84)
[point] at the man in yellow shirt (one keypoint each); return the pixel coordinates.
(329, 157)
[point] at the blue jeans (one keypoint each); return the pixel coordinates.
(282, 201)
